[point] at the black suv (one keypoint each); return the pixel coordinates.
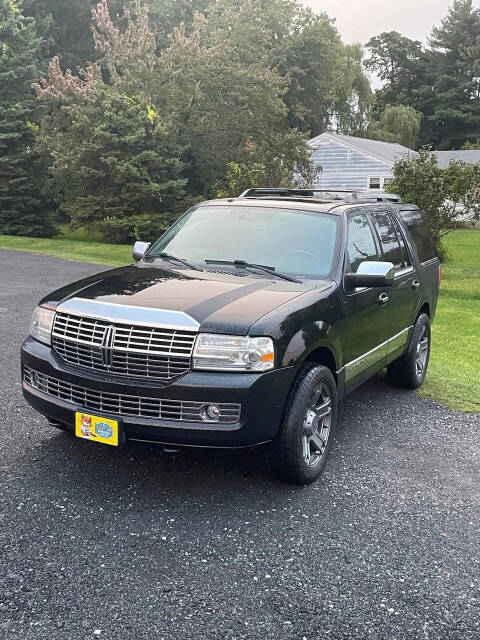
(246, 323)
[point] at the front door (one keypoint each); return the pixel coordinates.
(404, 295)
(368, 314)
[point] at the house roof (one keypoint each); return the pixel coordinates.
(384, 151)
(445, 157)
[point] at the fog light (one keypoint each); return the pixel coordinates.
(210, 413)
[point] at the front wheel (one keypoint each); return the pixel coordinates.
(301, 449)
(410, 369)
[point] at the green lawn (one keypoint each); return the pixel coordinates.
(72, 245)
(454, 374)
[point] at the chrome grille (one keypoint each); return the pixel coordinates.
(127, 405)
(131, 350)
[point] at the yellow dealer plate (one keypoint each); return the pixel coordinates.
(96, 428)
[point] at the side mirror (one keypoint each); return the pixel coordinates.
(140, 249)
(371, 274)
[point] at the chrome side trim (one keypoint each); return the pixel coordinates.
(434, 260)
(404, 272)
(398, 341)
(142, 316)
(365, 361)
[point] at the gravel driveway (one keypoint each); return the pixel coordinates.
(135, 544)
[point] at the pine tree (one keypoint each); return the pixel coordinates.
(456, 63)
(22, 208)
(116, 159)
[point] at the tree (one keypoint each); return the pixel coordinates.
(255, 168)
(397, 124)
(471, 145)
(225, 96)
(401, 64)
(68, 24)
(327, 83)
(114, 156)
(455, 104)
(23, 209)
(447, 197)
(355, 99)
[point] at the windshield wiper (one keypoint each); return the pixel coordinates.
(168, 256)
(251, 265)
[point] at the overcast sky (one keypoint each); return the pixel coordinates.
(359, 20)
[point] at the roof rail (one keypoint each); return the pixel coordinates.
(284, 193)
(368, 196)
(330, 194)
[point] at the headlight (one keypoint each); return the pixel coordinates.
(217, 352)
(41, 326)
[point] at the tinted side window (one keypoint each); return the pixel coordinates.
(405, 252)
(360, 244)
(388, 237)
(420, 234)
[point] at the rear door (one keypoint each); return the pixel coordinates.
(405, 293)
(367, 317)
(428, 264)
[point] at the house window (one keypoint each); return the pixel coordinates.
(386, 182)
(376, 184)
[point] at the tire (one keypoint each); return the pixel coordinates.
(409, 370)
(300, 451)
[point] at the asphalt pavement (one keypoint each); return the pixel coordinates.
(132, 543)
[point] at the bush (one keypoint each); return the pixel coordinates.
(448, 197)
(144, 226)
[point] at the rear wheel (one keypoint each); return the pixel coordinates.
(300, 452)
(410, 369)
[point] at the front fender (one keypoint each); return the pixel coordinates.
(310, 338)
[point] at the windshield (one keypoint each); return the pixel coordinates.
(300, 243)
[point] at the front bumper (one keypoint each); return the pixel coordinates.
(261, 396)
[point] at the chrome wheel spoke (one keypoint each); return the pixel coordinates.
(315, 397)
(316, 425)
(306, 449)
(318, 443)
(423, 347)
(324, 409)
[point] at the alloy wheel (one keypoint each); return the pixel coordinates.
(316, 425)
(423, 346)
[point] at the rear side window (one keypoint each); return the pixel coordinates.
(391, 249)
(420, 234)
(360, 244)
(406, 255)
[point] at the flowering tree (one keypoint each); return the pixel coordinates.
(114, 157)
(124, 132)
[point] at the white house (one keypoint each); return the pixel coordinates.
(354, 164)
(468, 156)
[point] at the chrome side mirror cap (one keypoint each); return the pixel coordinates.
(140, 249)
(371, 274)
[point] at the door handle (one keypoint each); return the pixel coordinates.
(415, 284)
(383, 299)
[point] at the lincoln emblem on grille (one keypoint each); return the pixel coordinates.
(107, 345)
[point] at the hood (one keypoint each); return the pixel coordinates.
(219, 302)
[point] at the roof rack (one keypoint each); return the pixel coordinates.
(330, 194)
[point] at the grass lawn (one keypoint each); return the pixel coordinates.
(454, 374)
(72, 245)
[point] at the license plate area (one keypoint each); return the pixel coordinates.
(97, 428)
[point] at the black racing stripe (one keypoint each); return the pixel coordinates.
(203, 310)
